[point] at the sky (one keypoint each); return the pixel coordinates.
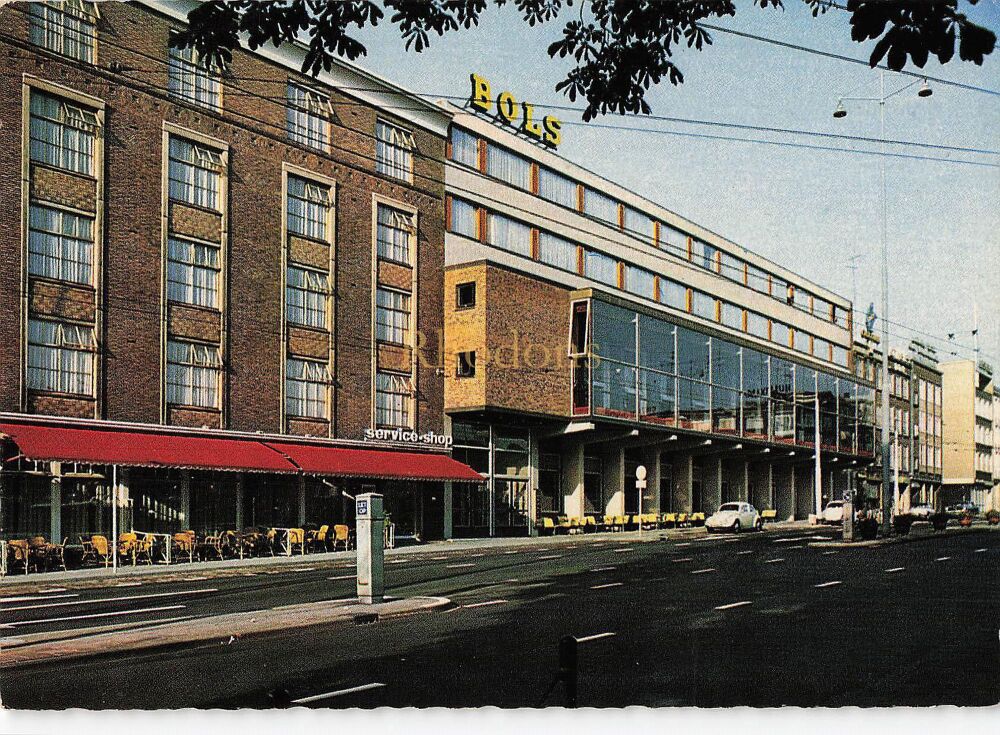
(809, 210)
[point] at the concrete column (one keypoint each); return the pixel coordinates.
(651, 495)
(784, 491)
(185, 499)
(805, 499)
(683, 475)
(760, 478)
(449, 501)
(533, 485)
(613, 481)
(55, 510)
(302, 500)
(711, 484)
(572, 480)
(734, 472)
(239, 502)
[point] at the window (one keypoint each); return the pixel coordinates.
(757, 279)
(601, 206)
(194, 79)
(705, 255)
(801, 341)
(464, 148)
(821, 348)
(466, 367)
(673, 239)
(307, 386)
(392, 316)
(395, 230)
(68, 28)
(308, 117)
(638, 224)
(463, 218)
(508, 234)
(306, 295)
(194, 174)
(60, 245)
(556, 188)
(61, 357)
(821, 308)
(601, 268)
(639, 281)
(392, 399)
(192, 273)
(732, 315)
(673, 294)
(779, 333)
(556, 252)
(508, 167)
(394, 151)
(62, 134)
(465, 295)
(702, 305)
(194, 372)
(731, 267)
(309, 207)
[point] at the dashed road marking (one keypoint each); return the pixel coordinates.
(827, 584)
(344, 576)
(734, 604)
(979, 551)
(94, 615)
(594, 637)
(621, 551)
(828, 553)
(129, 584)
(338, 693)
(943, 558)
(32, 598)
(551, 556)
(459, 566)
(112, 599)
(774, 561)
(486, 604)
(605, 586)
(604, 569)
(895, 569)
(704, 571)
(686, 543)
(678, 561)
(748, 551)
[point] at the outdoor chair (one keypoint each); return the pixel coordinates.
(55, 555)
(128, 546)
(589, 524)
(546, 526)
(697, 519)
(182, 545)
(209, 547)
(18, 556)
(97, 549)
(342, 537)
(144, 547)
(296, 540)
(317, 538)
(37, 552)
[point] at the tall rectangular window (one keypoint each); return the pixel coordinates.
(638, 224)
(731, 267)
(193, 273)
(464, 147)
(394, 148)
(600, 205)
(392, 399)
(757, 325)
(702, 305)
(503, 232)
(600, 267)
(673, 239)
(673, 294)
(194, 174)
(306, 296)
(61, 357)
(392, 316)
(309, 208)
(556, 188)
(62, 134)
(394, 234)
(307, 388)
(508, 166)
(60, 245)
(639, 281)
(757, 279)
(194, 79)
(194, 374)
(463, 218)
(68, 28)
(308, 117)
(732, 315)
(556, 252)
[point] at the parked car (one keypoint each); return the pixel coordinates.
(923, 512)
(959, 509)
(734, 517)
(834, 512)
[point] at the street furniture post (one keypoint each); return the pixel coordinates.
(640, 486)
(370, 519)
(568, 667)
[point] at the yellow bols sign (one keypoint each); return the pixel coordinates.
(520, 116)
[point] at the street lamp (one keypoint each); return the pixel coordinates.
(925, 91)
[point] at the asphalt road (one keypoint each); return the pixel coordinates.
(758, 619)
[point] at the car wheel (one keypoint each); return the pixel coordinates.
(736, 527)
(759, 525)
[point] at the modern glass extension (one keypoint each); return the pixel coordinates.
(639, 367)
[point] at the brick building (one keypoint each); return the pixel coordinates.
(236, 256)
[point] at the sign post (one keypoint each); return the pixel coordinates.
(640, 486)
(370, 519)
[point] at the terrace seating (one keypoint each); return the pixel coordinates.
(589, 524)
(18, 556)
(97, 549)
(697, 519)
(546, 525)
(183, 545)
(128, 544)
(342, 537)
(769, 516)
(669, 520)
(317, 538)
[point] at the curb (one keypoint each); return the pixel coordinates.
(227, 629)
(907, 539)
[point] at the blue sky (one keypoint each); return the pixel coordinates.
(809, 210)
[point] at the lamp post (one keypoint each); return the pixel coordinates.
(841, 112)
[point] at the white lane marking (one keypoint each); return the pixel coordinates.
(943, 558)
(704, 571)
(827, 584)
(129, 584)
(458, 566)
(439, 558)
(338, 693)
(678, 561)
(551, 556)
(686, 543)
(594, 637)
(199, 579)
(783, 539)
(799, 546)
(484, 604)
(474, 556)
(604, 569)
(774, 561)
(979, 551)
(605, 586)
(513, 551)
(398, 561)
(740, 553)
(734, 604)
(828, 553)
(344, 576)
(32, 598)
(312, 569)
(51, 589)
(112, 599)
(895, 569)
(94, 615)
(621, 551)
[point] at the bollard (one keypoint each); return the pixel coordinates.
(370, 521)
(568, 667)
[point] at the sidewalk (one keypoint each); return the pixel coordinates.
(924, 533)
(226, 629)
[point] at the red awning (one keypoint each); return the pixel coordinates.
(316, 459)
(151, 448)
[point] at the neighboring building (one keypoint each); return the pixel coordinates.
(926, 409)
(968, 436)
(212, 281)
(993, 502)
(589, 330)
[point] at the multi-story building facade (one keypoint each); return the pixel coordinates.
(968, 436)
(926, 409)
(201, 264)
(589, 330)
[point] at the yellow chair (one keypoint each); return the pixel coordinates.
(768, 515)
(341, 537)
(697, 519)
(297, 539)
(18, 555)
(317, 538)
(128, 545)
(682, 519)
(546, 525)
(183, 545)
(98, 549)
(590, 522)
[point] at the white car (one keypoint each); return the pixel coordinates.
(734, 517)
(834, 512)
(922, 511)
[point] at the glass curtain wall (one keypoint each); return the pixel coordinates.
(500, 506)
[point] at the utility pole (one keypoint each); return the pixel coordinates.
(886, 506)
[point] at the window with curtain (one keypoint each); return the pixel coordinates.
(600, 267)
(503, 232)
(192, 273)
(392, 316)
(732, 315)
(395, 231)
(307, 387)
(638, 224)
(62, 133)
(61, 357)
(68, 28)
(702, 305)
(392, 399)
(194, 79)
(194, 174)
(556, 251)
(60, 245)
(307, 294)
(394, 148)
(673, 294)
(600, 205)
(639, 281)
(757, 324)
(309, 206)
(194, 374)
(757, 279)
(508, 167)
(556, 188)
(731, 267)
(464, 147)
(673, 240)
(463, 218)
(308, 117)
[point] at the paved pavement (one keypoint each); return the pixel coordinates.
(759, 619)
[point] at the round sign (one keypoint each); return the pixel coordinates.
(640, 472)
